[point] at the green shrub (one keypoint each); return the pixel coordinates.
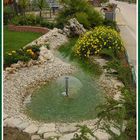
(84, 133)
(62, 19)
(123, 70)
(93, 42)
(47, 24)
(8, 14)
(24, 20)
(80, 9)
(83, 19)
(111, 24)
(32, 20)
(115, 112)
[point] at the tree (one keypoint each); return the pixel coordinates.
(41, 4)
(23, 4)
(72, 8)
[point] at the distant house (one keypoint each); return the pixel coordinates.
(53, 3)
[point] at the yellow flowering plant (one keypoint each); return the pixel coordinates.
(22, 54)
(94, 41)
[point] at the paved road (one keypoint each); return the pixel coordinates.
(126, 20)
(128, 12)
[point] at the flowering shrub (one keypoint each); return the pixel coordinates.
(95, 41)
(23, 54)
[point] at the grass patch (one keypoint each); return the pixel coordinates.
(88, 65)
(15, 40)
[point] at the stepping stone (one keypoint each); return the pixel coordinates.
(12, 122)
(67, 136)
(50, 135)
(67, 128)
(102, 135)
(35, 137)
(116, 131)
(23, 125)
(46, 128)
(31, 129)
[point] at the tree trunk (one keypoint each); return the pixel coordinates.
(50, 13)
(40, 13)
(15, 7)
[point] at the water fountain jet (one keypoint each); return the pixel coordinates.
(66, 85)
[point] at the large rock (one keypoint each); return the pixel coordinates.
(23, 125)
(55, 38)
(74, 28)
(35, 137)
(46, 128)
(67, 136)
(50, 135)
(67, 128)
(31, 129)
(101, 135)
(12, 122)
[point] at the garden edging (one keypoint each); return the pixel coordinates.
(36, 29)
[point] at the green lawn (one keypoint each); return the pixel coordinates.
(15, 40)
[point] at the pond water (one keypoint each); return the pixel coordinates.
(49, 103)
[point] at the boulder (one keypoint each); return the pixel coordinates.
(54, 38)
(74, 28)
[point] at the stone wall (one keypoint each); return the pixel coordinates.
(28, 29)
